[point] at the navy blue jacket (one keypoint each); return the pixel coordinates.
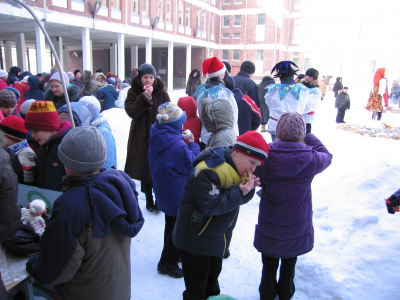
(243, 80)
(210, 204)
(101, 201)
(49, 168)
(109, 93)
(170, 162)
(34, 92)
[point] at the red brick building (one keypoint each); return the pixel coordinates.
(173, 35)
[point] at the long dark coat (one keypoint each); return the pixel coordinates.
(193, 83)
(143, 112)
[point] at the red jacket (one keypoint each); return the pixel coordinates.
(193, 123)
(21, 87)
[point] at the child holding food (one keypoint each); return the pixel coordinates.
(285, 228)
(209, 209)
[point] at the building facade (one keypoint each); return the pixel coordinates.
(173, 35)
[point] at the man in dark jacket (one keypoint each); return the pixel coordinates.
(13, 75)
(209, 209)
(343, 103)
(10, 212)
(243, 80)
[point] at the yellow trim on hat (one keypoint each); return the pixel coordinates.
(41, 107)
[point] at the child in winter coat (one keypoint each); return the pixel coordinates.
(85, 249)
(15, 137)
(42, 119)
(3, 79)
(170, 162)
(193, 123)
(80, 113)
(285, 229)
(100, 122)
(209, 208)
(8, 102)
(34, 92)
(108, 94)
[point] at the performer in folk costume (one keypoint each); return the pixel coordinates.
(379, 91)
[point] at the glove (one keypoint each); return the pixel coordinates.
(392, 204)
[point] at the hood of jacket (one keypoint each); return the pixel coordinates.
(80, 112)
(163, 136)
(188, 104)
(215, 156)
(137, 86)
(194, 71)
(100, 119)
(217, 115)
(311, 84)
(15, 70)
(237, 91)
(34, 82)
(287, 159)
(96, 78)
(116, 202)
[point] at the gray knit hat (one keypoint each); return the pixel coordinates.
(83, 150)
(291, 127)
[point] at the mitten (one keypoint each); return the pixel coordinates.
(392, 204)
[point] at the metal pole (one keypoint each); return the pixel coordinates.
(55, 56)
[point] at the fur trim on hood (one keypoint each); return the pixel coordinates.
(100, 84)
(194, 71)
(312, 84)
(100, 119)
(137, 86)
(87, 75)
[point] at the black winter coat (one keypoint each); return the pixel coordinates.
(49, 168)
(243, 80)
(343, 101)
(266, 81)
(73, 95)
(34, 92)
(193, 83)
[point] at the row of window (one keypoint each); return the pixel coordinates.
(225, 54)
(235, 35)
(232, 1)
(238, 20)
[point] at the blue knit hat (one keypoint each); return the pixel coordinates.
(111, 80)
(171, 115)
(146, 69)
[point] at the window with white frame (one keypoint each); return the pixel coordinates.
(160, 9)
(134, 6)
(168, 11)
(145, 7)
(227, 1)
(296, 58)
(226, 21)
(238, 20)
(236, 35)
(116, 4)
(259, 55)
(236, 54)
(225, 54)
(198, 18)
(238, 1)
(298, 29)
(212, 24)
(187, 15)
(181, 13)
(225, 35)
(203, 21)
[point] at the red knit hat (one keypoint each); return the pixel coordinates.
(13, 127)
(252, 144)
(42, 115)
(213, 67)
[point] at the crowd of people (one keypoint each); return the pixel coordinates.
(197, 161)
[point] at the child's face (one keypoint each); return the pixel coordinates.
(244, 163)
(345, 91)
(7, 111)
(42, 136)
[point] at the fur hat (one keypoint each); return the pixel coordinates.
(252, 144)
(171, 114)
(7, 98)
(312, 73)
(248, 67)
(291, 127)
(92, 104)
(83, 150)
(13, 127)
(3, 73)
(146, 69)
(213, 67)
(56, 76)
(42, 115)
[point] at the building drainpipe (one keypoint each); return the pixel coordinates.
(245, 33)
(288, 31)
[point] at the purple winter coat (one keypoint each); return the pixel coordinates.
(285, 226)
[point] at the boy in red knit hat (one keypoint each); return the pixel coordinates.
(42, 119)
(15, 138)
(220, 182)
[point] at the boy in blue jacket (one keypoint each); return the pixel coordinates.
(85, 249)
(170, 162)
(209, 209)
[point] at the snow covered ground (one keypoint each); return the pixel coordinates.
(357, 243)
